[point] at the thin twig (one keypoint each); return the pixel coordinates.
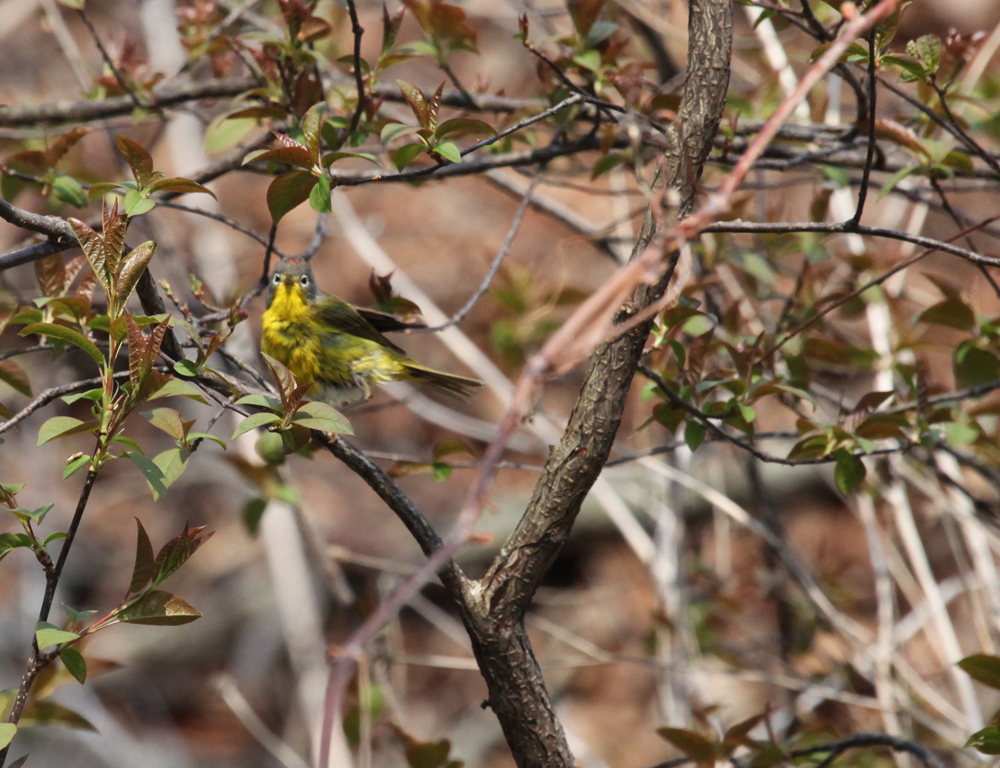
(123, 81)
(866, 170)
(357, 30)
(497, 260)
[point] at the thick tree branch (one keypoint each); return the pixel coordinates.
(495, 621)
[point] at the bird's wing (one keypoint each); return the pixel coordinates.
(385, 322)
(338, 315)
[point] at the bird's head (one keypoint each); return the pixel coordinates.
(292, 280)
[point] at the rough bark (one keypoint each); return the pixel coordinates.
(495, 607)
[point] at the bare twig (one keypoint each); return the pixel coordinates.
(497, 260)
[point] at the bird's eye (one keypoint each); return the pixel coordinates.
(304, 280)
(276, 279)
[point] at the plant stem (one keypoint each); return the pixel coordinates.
(37, 662)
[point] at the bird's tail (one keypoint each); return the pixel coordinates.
(460, 386)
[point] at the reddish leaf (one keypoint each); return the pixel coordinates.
(175, 552)
(115, 226)
(13, 374)
(180, 186)
(136, 351)
(160, 609)
(131, 270)
(51, 275)
(390, 27)
(289, 191)
(142, 572)
(93, 248)
(64, 143)
(418, 104)
(155, 340)
(138, 159)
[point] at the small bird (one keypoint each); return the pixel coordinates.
(339, 348)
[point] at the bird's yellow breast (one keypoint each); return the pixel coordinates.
(291, 335)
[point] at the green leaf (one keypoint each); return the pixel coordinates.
(7, 730)
(448, 151)
(898, 176)
(76, 616)
(262, 401)
(288, 191)
(65, 334)
(974, 366)
(253, 421)
(252, 513)
(332, 157)
(169, 420)
(464, 126)
(953, 313)
(159, 608)
(128, 441)
(11, 541)
(395, 130)
(960, 435)
(694, 434)
(186, 368)
(692, 744)
(986, 741)
(102, 188)
(406, 154)
(68, 190)
(180, 388)
(172, 463)
(136, 204)
(441, 470)
(849, 472)
(152, 473)
(75, 466)
(58, 426)
(14, 375)
(606, 163)
(54, 537)
(75, 663)
(49, 634)
(32, 515)
(326, 412)
(225, 132)
(319, 197)
(90, 394)
(983, 668)
(47, 712)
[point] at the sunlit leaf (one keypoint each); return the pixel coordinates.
(152, 473)
(49, 634)
(65, 334)
(159, 608)
(138, 159)
(64, 426)
(253, 421)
